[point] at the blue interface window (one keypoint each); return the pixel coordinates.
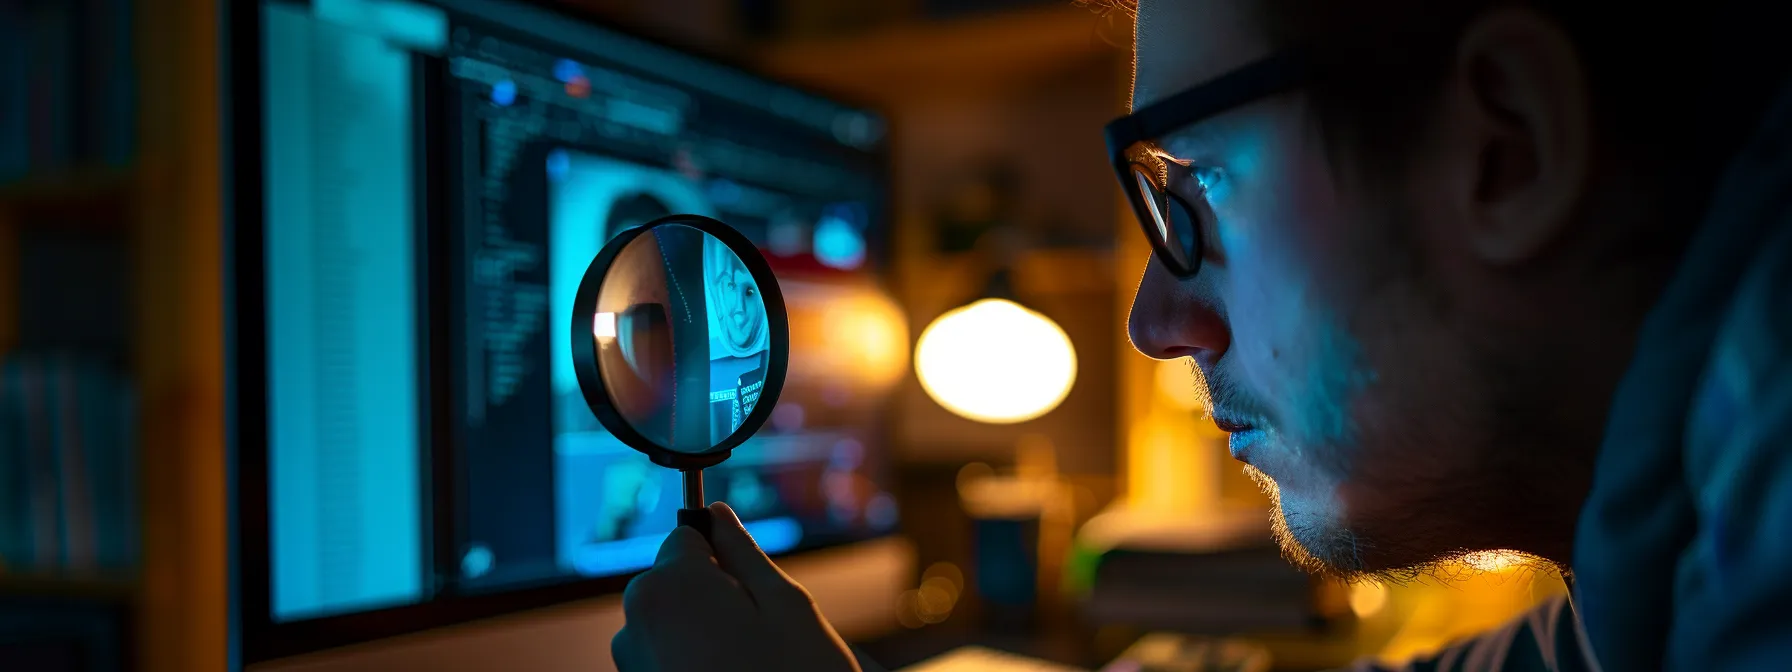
(342, 305)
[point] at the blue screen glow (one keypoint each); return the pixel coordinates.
(342, 335)
(775, 535)
(567, 70)
(838, 243)
(504, 92)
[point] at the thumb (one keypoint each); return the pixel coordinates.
(741, 557)
(683, 544)
(629, 653)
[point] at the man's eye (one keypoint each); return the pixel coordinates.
(1209, 178)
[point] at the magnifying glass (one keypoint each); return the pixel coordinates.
(681, 341)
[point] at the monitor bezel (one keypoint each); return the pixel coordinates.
(254, 635)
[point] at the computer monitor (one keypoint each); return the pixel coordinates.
(417, 187)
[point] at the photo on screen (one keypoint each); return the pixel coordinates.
(739, 338)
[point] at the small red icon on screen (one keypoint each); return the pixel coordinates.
(578, 86)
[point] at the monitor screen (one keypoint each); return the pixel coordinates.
(434, 179)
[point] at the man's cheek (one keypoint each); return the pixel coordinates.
(1270, 313)
(1306, 366)
(1330, 383)
(1254, 347)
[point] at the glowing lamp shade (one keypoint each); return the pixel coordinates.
(995, 361)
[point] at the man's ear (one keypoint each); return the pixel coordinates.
(1529, 118)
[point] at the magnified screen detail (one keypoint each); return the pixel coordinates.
(682, 338)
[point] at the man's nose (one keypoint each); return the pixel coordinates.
(1174, 318)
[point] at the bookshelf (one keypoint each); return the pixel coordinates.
(66, 186)
(90, 586)
(9, 283)
(111, 206)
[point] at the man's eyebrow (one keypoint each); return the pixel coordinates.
(1191, 142)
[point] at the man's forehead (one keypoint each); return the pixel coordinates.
(1182, 43)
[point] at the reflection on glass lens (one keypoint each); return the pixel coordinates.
(683, 338)
(1149, 194)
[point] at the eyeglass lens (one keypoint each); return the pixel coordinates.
(1169, 221)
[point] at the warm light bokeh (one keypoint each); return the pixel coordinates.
(996, 361)
(846, 334)
(1367, 599)
(1180, 384)
(1428, 614)
(1172, 467)
(868, 333)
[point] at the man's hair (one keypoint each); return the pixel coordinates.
(1670, 82)
(1676, 88)
(635, 208)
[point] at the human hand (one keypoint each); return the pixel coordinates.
(730, 610)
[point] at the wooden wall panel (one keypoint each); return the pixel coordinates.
(180, 353)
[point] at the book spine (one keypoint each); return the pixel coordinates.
(15, 537)
(50, 72)
(45, 509)
(72, 453)
(126, 524)
(121, 91)
(106, 421)
(105, 47)
(87, 53)
(14, 93)
(65, 80)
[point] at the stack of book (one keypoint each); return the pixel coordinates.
(67, 86)
(68, 490)
(1218, 574)
(1214, 592)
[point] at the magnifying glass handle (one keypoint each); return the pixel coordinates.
(695, 513)
(697, 519)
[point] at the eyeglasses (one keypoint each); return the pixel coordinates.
(1151, 179)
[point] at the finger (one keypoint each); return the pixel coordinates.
(682, 545)
(741, 557)
(641, 595)
(629, 654)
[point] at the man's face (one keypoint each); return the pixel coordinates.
(742, 309)
(1349, 392)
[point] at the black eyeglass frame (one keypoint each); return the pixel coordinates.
(1276, 73)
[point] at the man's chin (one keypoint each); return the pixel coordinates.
(1315, 546)
(1314, 551)
(1320, 544)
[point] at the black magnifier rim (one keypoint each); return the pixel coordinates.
(584, 347)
